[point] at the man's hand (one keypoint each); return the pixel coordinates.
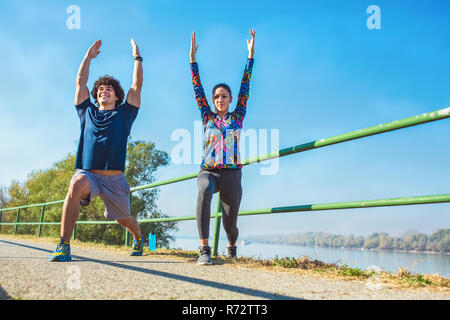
(134, 94)
(194, 47)
(135, 48)
(251, 44)
(82, 91)
(94, 51)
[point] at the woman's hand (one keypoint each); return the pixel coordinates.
(251, 44)
(194, 47)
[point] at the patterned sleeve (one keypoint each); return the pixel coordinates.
(202, 103)
(241, 107)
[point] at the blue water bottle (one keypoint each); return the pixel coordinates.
(152, 242)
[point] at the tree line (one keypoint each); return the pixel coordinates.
(143, 160)
(438, 241)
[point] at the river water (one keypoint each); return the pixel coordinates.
(386, 260)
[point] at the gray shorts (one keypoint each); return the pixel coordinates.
(114, 191)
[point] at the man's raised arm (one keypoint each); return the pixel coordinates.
(134, 94)
(82, 91)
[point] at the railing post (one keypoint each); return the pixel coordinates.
(40, 221)
(74, 233)
(17, 221)
(127, 237)
(1, 216)
(217, 227)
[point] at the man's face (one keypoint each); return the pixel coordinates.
(222, 99)
(106, 95)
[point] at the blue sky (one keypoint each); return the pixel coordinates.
(319, 71)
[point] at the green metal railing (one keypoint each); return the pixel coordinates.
(381, 128)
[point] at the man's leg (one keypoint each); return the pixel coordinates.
(79, 189)
(115, 195)
(132, 225)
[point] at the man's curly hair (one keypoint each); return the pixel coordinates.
(108, 80)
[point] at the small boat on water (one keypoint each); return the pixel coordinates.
(244, 242)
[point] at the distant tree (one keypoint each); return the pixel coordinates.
(372, 241)
(387, 243)
(349, 241)
(397, 244)
(338, 241)
(438, 241)
(359, 241)
(3, 196)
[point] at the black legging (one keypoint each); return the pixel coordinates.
(228, 183)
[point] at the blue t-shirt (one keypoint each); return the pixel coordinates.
(104, 135)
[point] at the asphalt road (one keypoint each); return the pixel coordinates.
(25, 273)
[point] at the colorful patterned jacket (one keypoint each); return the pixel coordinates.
(221, 136)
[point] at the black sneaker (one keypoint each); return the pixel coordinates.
(231, 252)
(205, 256)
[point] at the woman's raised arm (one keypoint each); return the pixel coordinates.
(199, 92)
(241, 107)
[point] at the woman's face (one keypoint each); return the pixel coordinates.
(222, 99)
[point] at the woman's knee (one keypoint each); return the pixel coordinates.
(205, 186)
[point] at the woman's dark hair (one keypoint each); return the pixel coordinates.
(221, 85)
(108, 81)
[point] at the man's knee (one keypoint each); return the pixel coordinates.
(79, 187)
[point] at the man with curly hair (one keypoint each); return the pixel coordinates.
(100, 160)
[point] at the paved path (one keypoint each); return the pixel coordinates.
(25, 273)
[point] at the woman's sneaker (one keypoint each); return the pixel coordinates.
(231, 252)
(61, 253)
(205, 256)
(138, 247)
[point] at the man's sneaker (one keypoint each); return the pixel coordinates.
(62, 252)
(205, 256)
(231, 252)
(138, 247)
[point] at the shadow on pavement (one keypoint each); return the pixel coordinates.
(4, 295)
(209, 283)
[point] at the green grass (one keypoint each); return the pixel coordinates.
(413, 278)
(354, 272)
(319, 266)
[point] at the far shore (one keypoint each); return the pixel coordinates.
(352, 248)
(349, 248)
